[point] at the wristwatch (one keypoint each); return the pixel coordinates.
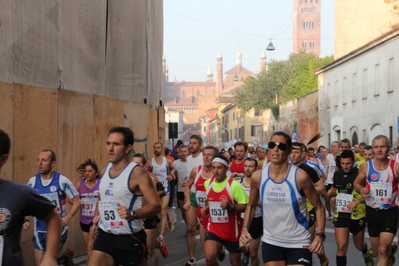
(322, 235)
(133, 214)
(232, 207)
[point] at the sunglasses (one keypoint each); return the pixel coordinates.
(281, 146)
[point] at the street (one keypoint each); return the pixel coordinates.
(176, 242)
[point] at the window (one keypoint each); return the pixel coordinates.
(198, 93)
(377, 80)
(391, 73)
(354, 87)
(364, 84)
(255, 130)
(234, 116)
(303, 44)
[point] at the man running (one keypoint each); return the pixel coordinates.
(350, 215)
(16, 202)
(377, 181)
(124, 187)
(56, 188)
(282, 189)
(262, 159)
(325, 167)
(226, 199)
(195, 201)
(237, 165)
(255, 229)
(359, 157)
(180, 169)
(160, 166)
(368, 153)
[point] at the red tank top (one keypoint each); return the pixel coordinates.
(200, 189)
(225, 224)
(237, 168)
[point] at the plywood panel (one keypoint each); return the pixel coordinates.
(35, 127)
(6, 124)
(108, 113)
(75, 145)
(137, 118)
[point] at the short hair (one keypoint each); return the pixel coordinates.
(388, 142)
(183, 146)
(310, 149)
(334, 142)
(167, 151)
(345, 140)
(215, 151)
(320, 147)
(140, 155)
(53, 158)
(241, 143)
(368, 147)
(301, 146)
(348, 154)
(363, 144)
(221, 157)
(128, 135)
(5, 143)
(197, 137)
(88, 162)
(286, 136)
(252, 160)
(160, 143)
(232, 157)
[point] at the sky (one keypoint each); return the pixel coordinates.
(195, 30)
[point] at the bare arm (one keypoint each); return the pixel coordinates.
(250, 209)
(306, 186)
(360, 181)
(140, 183)
(189, 183)
(75, 207)
(53, 221)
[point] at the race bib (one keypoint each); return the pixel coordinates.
(201, 198)
(1, 249)
(343, 200)
(381, 192)
(53, 197)
(89, 206)
(218, 215)
(109, 215)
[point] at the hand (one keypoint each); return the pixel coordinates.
(25, 225)
(96, 219)
(204, 211)
(186, 205)
(317, 245)
(224, 203)
(245, 237)
(93, 232)
(65, 220)
(234, 175)
(352, 204)
(364, 192)
(183, 183)
(123, 212)
(48, 261)
(169, 177)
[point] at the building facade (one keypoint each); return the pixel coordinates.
(358, 92)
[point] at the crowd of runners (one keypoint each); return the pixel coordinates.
(275, 198)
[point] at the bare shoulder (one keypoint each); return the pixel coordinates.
(102, 171)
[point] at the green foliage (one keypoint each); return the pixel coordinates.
(286, 79)
(275, 110)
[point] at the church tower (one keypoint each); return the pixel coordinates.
(209, 74)
(307, 26)
(219, 73)
(262, 66)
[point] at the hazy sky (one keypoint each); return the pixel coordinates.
(194, 32)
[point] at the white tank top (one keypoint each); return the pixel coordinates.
(115, 190)
(258, 211)
(161, 171)
(285, 217)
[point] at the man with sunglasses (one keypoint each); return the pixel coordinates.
(282, 189)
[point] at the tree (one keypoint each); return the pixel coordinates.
(286, 79)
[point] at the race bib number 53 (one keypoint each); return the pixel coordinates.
(109, 215)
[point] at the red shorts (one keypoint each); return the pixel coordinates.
(203, 221)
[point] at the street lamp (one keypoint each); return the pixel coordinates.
(270, 47)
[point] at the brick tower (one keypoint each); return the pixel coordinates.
(219, 73)
(262, 66)
(307, 14)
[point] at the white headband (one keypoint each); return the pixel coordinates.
(219, 160)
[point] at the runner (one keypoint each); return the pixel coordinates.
(193, 161)
(121, 239)
(262, 159)
(16, 202)
(180, 169)
(226, 199)
(331, 158)
(350, 215)
(237, 165)
(377, 181)
(255, 229)
(194, 204)
(57, 188)
(151, 224)
(368, 153)
(284, 189)
(324, 165)
(359, 157)
(88, 190)
(160, 166)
